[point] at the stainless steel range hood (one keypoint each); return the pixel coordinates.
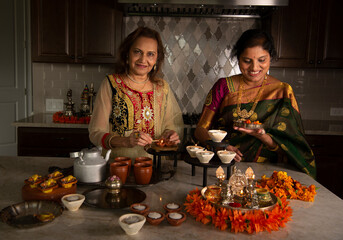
(201, 8)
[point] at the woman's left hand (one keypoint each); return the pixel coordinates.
(253, 132)
(172, 136)
(260, 134)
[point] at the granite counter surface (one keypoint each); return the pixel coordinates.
(312, 127)
(321, 219)
(45, 120)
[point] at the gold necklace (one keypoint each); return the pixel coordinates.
(244, 113)
(135, 81)
(145, 81)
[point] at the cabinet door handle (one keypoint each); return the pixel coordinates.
(72, 56)
(319, 61)
(311, 62)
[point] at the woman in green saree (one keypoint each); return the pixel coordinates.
(256, 96)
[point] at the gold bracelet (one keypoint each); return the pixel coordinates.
(109, 141)
(274, 149)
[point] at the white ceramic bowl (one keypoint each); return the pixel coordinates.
(226, 156)
(73, 201)
(204, 156)
(131, 223)
(217, 135)
(193, 149)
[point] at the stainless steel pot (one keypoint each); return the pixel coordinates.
(89, 165)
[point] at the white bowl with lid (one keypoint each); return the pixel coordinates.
(217, 135)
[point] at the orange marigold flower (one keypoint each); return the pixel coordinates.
(235, 220)
(283, 185)
(221, 219)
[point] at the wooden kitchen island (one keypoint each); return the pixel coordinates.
(321, 219)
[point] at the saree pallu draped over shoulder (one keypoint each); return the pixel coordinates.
(277, 110)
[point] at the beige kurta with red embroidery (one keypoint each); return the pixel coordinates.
(119, 110)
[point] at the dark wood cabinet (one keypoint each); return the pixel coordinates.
(51, 142)
(307, 34)
(329, 161)
(75, 31)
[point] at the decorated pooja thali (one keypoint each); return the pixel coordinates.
(242, 204)
(239, 192)
(261, 206)
(243, 123)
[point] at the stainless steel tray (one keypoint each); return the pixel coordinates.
(102, 198)
(24, 214)
(265, 207)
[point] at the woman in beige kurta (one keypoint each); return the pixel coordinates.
(134, 106)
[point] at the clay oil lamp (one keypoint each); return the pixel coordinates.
(139, 208)
(176, 218)
(172, 207)
(154, 217)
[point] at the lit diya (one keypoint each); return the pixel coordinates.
(249, 173)
(220, 174)
(164, 143)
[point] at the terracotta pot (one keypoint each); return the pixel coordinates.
(143, 173)
(143, 160)
(120, 169)
(126, 160)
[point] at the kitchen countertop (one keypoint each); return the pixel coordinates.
(323, 127)
(45, 120)
(312, 127)
(320, 219)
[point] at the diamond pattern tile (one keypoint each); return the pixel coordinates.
(197, 52)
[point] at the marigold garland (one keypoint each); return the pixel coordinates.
(283, 185)
(59, 117)
(234, 220)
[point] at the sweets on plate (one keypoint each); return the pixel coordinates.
(248, 124)
(68, 181)
(55, 175)
(48, 185)
(34, 180)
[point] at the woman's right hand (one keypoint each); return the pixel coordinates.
(238, 156)
(139, 138)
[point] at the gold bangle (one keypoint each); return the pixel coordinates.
(274, 149)
(109, 141)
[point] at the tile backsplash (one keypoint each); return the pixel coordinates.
(197, 54)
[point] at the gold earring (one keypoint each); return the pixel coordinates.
(155, 67)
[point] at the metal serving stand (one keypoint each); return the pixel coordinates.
(214, 163)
